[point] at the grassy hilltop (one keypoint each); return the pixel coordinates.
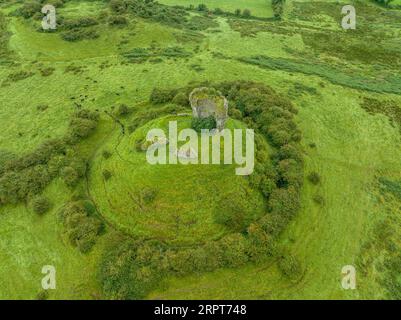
(325, 104)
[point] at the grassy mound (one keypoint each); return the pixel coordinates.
(172, 202)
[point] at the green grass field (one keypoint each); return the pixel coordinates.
(352, 147)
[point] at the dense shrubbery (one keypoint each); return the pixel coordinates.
(128, 269)
(41, 205)
(118, 21)
(79, 34)
(81, 226)
(208, 123)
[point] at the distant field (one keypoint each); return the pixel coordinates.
(259, 8)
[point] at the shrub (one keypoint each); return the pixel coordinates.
(237, 12)
(73, 35)
(233, 211)
(290, 151)
(284, 202)
(123, 110)
(119, 6)
(81, 228)
(106, 154)
(122, 276)
(159, 96)
(203, 123)
(118, 21)
(278, 8)
(317, 198)
(290, 266)
(246, 13)
(202, 7)
(81, 22)
(107, 174)
(9, 187)
(148, 195)
(314, 178)
(181, 99)
(234, 250)
(41, 205)
(42, 295)
(81, 128)
(30, 8)
(70, 176)
(218, 11)
(291, 173)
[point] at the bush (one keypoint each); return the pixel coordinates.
(119, 6)
(237, 12)
(218, 11)
(181, 99)
(81, 228)
(41, 205)
(123, 276)
(106, 154)
(203, 123)
(314, 178)
(202, 7)
(234, 250)
(70, 176)
(318, 199)
(42, 295)
(30, 8)
(159, 96)
(123, 110)
(107, 174)
(79, 34)
(148, 195)
(284, 202)
(290, 266)
(278, 8)
(246, 13)
(118, 21)
(81, 128)
(233, 211)
(81, 22)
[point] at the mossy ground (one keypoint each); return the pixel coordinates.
(352, 149)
